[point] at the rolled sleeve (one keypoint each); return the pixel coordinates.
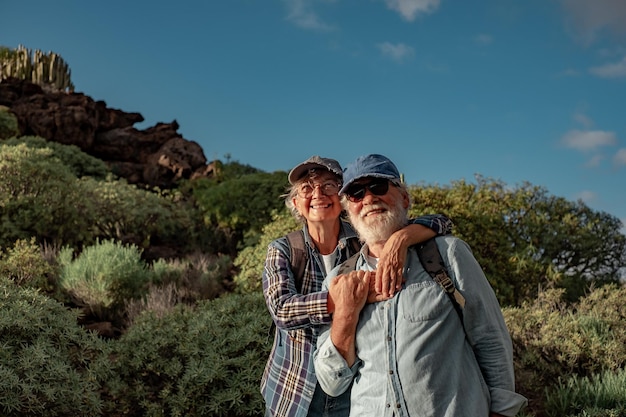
(505, 402)
(333, 373)
(440, 224)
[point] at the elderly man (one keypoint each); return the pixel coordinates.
(412, 354)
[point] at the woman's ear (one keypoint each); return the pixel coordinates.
(294, 200)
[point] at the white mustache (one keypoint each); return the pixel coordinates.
(374, 207)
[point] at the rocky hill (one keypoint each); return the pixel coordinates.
(156, 156)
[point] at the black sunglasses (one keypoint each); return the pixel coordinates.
(377, 186)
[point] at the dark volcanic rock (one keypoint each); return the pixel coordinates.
(156, 156)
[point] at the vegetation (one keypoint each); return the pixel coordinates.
(177, 275)
(49, 366)
(8, 123)
(46, 69)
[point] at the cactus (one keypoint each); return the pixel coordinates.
(46, 69)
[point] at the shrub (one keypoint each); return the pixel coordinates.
(197, 277)
(34, 194)
(103, 277)
(79, 163)
(24, 265)
(241, 205)
(251, 260)
(49, 366)
(198, 361)
(8, 123)
(603, 394)
(552, 338)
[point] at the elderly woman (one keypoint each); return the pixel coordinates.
(297, 304)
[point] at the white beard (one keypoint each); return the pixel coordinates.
(382, 226)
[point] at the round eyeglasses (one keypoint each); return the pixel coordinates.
(328, 188)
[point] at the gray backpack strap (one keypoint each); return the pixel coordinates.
(297, 261)
(348, 265)
(432, 262)
(299, 256)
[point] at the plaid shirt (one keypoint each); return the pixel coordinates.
(289, 381)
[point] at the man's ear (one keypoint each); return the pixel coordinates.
(406, 201)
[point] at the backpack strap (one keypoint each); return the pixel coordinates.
(299, 256)
(432, 262)
(348, 265)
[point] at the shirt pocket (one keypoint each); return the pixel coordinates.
(423, 301)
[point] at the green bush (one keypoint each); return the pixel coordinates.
(603, 394)
(203, 361)
(34, 194)
(79, 163)
(8, 123)
(241, 206)
(24, 265)
(251, 260)
(552, 337)
(147, 219)
(49, 366)
(103, 277)
(189, 280)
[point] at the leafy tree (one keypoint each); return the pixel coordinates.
(524, 237)
(242, 205)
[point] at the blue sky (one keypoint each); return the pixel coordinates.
(513, 90)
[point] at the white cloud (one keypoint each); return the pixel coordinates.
(302, 14)
(589, 17)
(398, 52)
(594, 161)
(409, 9)
(483, 39)
(583, 119)
(588, 140)
(586, 196)
(615, 70)
(620, 157)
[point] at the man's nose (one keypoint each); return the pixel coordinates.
(369, 196)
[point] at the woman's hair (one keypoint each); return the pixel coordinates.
(292, 191)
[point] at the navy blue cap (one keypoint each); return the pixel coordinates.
(373, 165)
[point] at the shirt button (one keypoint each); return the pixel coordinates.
(389, 338)
(390, 372)
(388, 405)
(398, 406)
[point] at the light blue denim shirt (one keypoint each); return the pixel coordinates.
(414, 357)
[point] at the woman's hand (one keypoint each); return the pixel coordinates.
(389, 277)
